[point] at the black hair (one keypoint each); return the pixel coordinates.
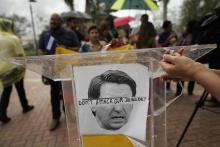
(111, 76)
(144, 17)
(91, 28)
(166, 24)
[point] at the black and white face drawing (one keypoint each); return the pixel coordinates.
(112, 99)
(112, 84)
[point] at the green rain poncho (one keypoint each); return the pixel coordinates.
(10, 46)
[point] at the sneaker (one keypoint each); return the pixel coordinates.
(28, 108)
(54, 124)
(5, 120)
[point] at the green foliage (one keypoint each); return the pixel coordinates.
(21, 24)
(98, 8)
(95, 8)
(194, 10)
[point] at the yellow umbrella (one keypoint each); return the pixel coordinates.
(134, 4)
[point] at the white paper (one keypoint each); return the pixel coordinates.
(136, 122)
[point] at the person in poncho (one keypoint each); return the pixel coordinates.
(10, 73)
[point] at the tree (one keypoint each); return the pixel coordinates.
(108, 4)
(165, 3)
(96, 8)
(195, 9)
(70, 4)
(21, 24)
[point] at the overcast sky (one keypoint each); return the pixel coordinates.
(44, 8)
(41, 7)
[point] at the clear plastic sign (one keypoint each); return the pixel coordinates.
(140, 119)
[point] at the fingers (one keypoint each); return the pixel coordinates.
(176, 54)
(166, 51)
(181, 51)
(169, 58)
(166, 66)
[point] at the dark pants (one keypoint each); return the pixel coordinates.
(56, 96)
(168, 85)
(5, 97)
(190, 87)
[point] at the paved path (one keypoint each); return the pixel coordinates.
(205, 128)
(31, 129)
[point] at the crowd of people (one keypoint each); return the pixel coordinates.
(70, 34)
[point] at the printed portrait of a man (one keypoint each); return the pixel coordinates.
(107, 99)
(112, 84)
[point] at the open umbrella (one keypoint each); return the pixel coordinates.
(76, 15)
(124, 13)
(134, 4)
(121, 21)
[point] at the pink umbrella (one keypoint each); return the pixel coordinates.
(121, 21)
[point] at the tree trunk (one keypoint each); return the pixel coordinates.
(70, 4)
(165, 3)
(88, 7)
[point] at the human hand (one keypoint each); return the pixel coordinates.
(169, 51)
(178, 66)
(172, 41)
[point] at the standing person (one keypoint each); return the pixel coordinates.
(146, 34)
(10, 46)
(93, 44)
(209, 26)
(187, 38)
(167, 38)
(74, 25)
(49, 40)
(104, 29)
